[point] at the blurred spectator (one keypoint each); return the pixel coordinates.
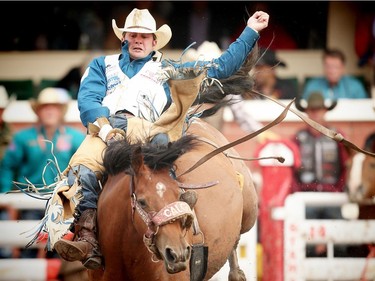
(335, 84)
(28, 154)
(5, 131)
(72, 79)
(92, 30)
(28, 146)
(323, 163)
(365, 35)
(266, 80)
(323, 159)
(6, 212)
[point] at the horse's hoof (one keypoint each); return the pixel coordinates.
(237, 275)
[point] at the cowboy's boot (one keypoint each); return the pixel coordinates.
(86, 247)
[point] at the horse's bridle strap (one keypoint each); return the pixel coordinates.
(172, 212)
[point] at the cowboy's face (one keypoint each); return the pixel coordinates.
(140, 44)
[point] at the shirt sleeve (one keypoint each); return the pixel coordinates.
(232, 59)
(92, 92)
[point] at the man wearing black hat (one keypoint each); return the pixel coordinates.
(323, 164)
(266, 80)
(323, 159)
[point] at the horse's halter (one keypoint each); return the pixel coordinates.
(177, 210)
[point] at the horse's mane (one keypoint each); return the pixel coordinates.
(240, 83)
(118, 155)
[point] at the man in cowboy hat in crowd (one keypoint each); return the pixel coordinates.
(6, 212)
(323, 159)
(323, 162)
(120, 88)
(28, 153)
(266, 80)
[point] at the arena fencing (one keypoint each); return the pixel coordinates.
(15, 233)
(300, 232)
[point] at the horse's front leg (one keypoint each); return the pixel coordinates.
(235, 272)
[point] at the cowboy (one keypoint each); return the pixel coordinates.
(117, 91)
(28, 154)
(323, 165)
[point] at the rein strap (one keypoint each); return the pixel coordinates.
(320, 128)
(208, 156)
(197, 186)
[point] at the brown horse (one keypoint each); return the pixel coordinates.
(150, 221)
(361, 176)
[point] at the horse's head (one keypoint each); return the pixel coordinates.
(361, 176)
(161, 212)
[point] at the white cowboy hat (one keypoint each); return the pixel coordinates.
(141, 21)
(4, 98)
(51, 95)
(205, 52)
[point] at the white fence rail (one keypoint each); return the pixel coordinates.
(16, 233)
(299, 231)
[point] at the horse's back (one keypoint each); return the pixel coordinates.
(250, 202)
(226, 209)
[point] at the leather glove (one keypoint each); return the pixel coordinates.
(114, 134)
(107, 133)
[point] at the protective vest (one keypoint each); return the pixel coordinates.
(320, 158)
(143, 95)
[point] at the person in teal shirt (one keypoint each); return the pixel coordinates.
(28, 153)
(335, 84)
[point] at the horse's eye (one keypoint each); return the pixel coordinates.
(142, 203)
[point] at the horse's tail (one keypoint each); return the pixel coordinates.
(240, 83)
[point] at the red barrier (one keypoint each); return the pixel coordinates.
(277, 180)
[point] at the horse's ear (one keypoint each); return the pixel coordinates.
(137, 159)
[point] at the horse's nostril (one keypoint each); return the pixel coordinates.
(170, 255)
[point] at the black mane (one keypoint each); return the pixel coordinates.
(118, 156)
(240, 83)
